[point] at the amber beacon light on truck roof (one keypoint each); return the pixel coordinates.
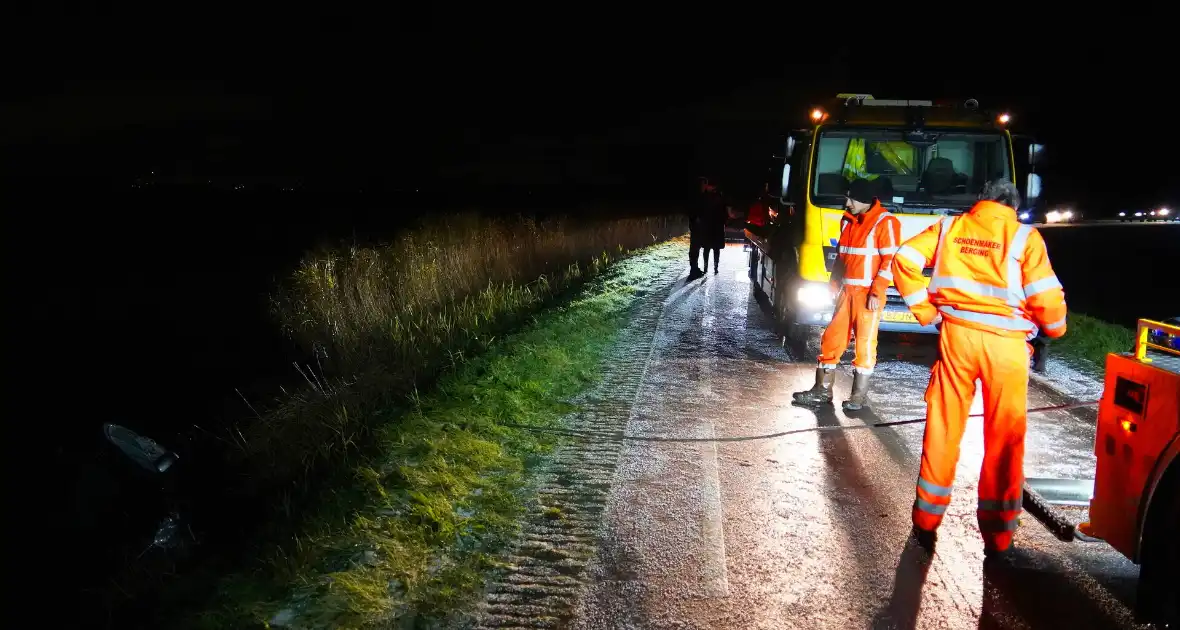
(846, 101)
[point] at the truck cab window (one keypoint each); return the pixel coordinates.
(946, 173)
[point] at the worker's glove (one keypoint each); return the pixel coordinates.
(937, 321)
(874, 302)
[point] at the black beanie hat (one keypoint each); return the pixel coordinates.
(861, 190)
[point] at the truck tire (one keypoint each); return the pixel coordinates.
(1159, 572)
(804, 340)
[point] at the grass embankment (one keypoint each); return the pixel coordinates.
(1088, 340)
(422, 487)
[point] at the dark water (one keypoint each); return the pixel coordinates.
(1119, 273)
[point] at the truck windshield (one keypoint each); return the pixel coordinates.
(945, 175)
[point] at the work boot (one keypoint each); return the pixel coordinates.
(860, 393)
(998, 561)
(925, 538)
(821, 392)
(991, 553)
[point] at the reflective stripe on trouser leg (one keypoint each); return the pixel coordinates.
(948, 399)
(998, 520)
(836, 335)
(1004, 378)
(930, 504)
(867, 324)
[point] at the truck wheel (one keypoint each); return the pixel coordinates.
(1159, 573)
(804, 340)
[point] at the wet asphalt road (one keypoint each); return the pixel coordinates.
(806, 530)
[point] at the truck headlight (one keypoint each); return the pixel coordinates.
(816, 295)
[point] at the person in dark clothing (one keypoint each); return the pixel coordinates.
(708, 204)
(713, 228)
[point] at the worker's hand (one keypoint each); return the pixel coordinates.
(874, 303)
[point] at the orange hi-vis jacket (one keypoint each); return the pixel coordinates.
(868, 242)
(991, 273)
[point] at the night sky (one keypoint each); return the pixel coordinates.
(570, 113)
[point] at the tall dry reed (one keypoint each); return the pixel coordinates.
(403, 306)
(381, 320)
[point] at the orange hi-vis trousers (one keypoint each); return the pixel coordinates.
(852, 314)
(1001, 365)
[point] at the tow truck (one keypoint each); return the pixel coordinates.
(934, 157)
(1134, 502)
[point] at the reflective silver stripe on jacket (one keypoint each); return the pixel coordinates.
(912, 255)
(1042, 285)
(946, 223)
(1015, 257)
(938, 283)
(1013, 295)
(859, 251)
(987, 319)
(870, 240)
(917, 297)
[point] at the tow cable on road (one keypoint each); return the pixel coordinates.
(619, 436)
(1041, 509)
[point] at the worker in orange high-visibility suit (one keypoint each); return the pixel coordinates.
(869, 237)
(992, 288)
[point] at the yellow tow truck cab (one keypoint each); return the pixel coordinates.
(927, 161)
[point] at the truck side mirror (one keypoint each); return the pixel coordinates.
(790, 146)
(786, 182)
(1035, 153)
(1032, 190)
